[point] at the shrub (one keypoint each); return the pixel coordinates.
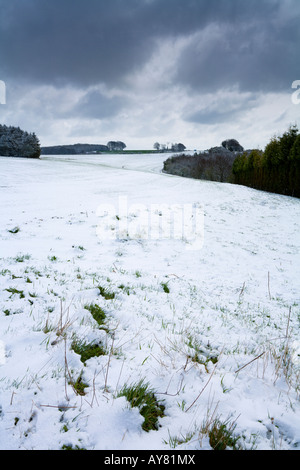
(216, 165)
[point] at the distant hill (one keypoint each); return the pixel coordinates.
(75, 149)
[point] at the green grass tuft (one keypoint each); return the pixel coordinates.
(14, 291)
(14, 230)
(222, 436)
(87, 350)
(79, 386)
(165, 287)
(141, 396)
(97, 313)
(106, 294)
(21, 258)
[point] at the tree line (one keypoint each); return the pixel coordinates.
(80, 149)
(276, 169)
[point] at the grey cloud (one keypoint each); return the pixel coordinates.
(223, 109)
(151, 57)
(99, 41)
(260, 56)
(95, 105)
(70, 41)
(212, 117)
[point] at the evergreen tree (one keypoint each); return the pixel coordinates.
(277, 169)
(294, 176)
(15, 142)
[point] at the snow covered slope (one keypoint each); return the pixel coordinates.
(214, 330)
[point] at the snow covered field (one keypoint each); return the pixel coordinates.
(214, 330)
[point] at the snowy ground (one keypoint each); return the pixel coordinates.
(221, 346)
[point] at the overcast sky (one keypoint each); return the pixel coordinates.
(141, 71)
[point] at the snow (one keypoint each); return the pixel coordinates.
(233, 297)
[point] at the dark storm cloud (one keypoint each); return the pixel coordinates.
(253, 44)
(79, 41)
(261, 56)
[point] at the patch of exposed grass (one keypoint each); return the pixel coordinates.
(4, 272)
(14, 291)
(203, 355)
(124, 288)
(141, 396)
(32, 294)
(79, 386)
(87, 350)
(221, 435)
(78, 247)
(71, 447)
(21, 258)
(165, 287)
(97, 313)
(8, 312)
(175, 441)
(14, 230)
(106, 294)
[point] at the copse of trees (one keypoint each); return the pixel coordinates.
(17, 143)
(116, 146)
(277, 169)
(174, 147)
